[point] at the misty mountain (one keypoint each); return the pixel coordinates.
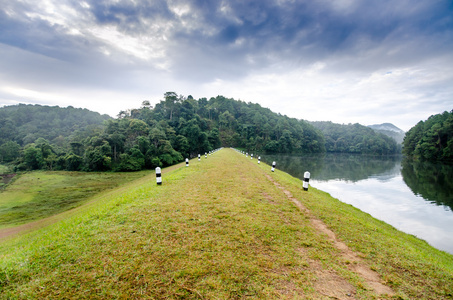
(389, 130)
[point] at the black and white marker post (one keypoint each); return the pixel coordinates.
(158, 176)
(198, 157)
(205, 155)
(259, 158)
(187, 162)
(251, 156)
(306, 179)
(273, 166)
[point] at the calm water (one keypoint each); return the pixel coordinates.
(416, 198)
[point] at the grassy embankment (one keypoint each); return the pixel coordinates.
(38, 195)
(218, 229)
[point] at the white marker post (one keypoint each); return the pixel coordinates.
(158, 176)
(187, 162)
(259, 158)
(273, 166)
(306, 179)
(198, 157)
(205, 155)
(246, 154)
(251, 156)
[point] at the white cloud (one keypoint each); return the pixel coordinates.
(348, 62)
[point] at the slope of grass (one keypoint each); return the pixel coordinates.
(215, 230)
(40, 194)
(408, 264)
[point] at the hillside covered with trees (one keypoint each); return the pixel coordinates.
(24, 123)
(40, 137)
(432, 139)
(356, 138)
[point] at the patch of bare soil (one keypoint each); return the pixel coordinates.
(12, 231)
(6, 178)
(329, 283)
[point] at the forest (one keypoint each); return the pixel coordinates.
(431, 140)
(53, 138)
(356, 138)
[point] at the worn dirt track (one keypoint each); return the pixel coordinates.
(329, 283)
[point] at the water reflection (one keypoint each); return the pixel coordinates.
(433, 182)
(416, 198)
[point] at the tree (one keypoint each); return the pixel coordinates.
(73, 162)
(132, 161)
(33, 159)
(97, 158)
(170, 101)
(431, 139)
(9, 151)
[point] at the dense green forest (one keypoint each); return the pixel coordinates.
(24, 124)
(41, 137)
(356, 138)
(431, 139)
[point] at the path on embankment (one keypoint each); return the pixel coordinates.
(222, 228)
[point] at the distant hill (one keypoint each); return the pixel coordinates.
(24, 123)
(389, 130)
(355, 138)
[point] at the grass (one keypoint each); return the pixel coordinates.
(408, 264)
(4, 169)
(40, 194)
(215, 230)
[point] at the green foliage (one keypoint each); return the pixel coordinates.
(53, 138)
(432, 139)
(24, 124)
(220, 121)
(33, 157)
(9, 151)
(356, 138)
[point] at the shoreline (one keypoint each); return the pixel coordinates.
(308, 243)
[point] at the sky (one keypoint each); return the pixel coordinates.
(345, 61)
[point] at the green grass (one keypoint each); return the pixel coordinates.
(37, 195)
(408, 264)
(215, 230)
(4, 169)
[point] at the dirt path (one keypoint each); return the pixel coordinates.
(12, 231)
(330, 284)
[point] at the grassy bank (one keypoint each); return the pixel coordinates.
(37, 195)
(219, 229)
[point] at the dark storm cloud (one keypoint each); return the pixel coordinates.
(334, 50)
(42, 38)
(255, 33)
(128, 15)
(365, 35)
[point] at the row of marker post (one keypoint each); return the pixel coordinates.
(306, 174)
(159, 170)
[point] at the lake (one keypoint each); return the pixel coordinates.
(414, 197)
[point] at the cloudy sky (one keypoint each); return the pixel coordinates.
(347, 61)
